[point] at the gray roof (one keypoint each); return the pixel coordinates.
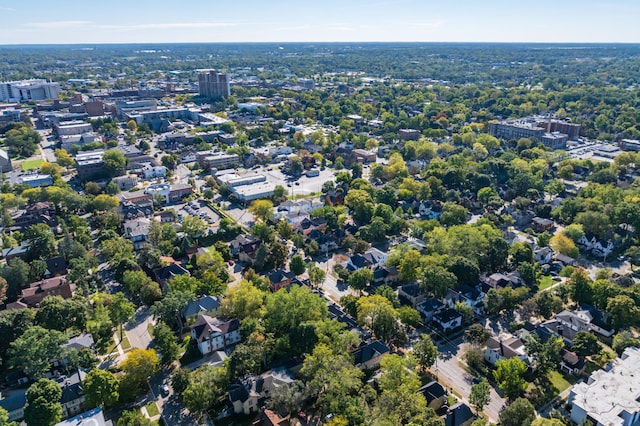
(204, 304)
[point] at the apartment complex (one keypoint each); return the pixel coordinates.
(553, 133)
(213, 85)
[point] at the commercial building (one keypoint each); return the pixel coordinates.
(217, 160)
(630, 145)
(610, 397)
(28, 90)
(35, 180)
(5, 162)
(553, 133)
(256, 191)
(170, 193)
(10, 115)
(89, 164)
(233, 180)
(73, 128)
(213, 85)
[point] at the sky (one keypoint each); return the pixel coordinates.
(183, 21)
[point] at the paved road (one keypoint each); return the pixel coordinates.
(138, 331)
(449, 372)
(330, 286)
(172, 409)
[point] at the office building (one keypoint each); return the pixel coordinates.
(35, 180)
(5, 162)
(213, 85)
(610, 397)
(28, 90)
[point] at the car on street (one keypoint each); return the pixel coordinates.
(165, 390)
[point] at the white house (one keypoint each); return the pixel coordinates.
(448, 319)
(543, 255)
(213, 334)
(153, 172)
(248, 396)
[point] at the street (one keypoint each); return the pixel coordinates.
(138, 329)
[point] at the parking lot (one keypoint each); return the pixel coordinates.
(200, 209)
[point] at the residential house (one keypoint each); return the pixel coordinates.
(572, 363)
(55, 266)
(16, 252)
(308, 225)
(368, 356)
(610, 396)
(500, 280)
(93, 417)
(589, 242)
(326, 243)
(244, 247)
(72, 399)
(336, 313)
(280, 279)
(251, 393)
(385, 275)
(37, 291)
(80, 342)
(40, 212)
(459, 414)
(448, 319)
(565, 260)
(411, 294)
(543, 255)
(430, 209)
(137, 230)
(586, 318)
(14, 404)
(540, 224)
(272, 418)
(204, 305)
(504, 347)
(429, 307)
(164, 274)
(369, 259)
(435, 394)
(213, 334)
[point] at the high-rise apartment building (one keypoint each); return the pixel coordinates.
(213, 85)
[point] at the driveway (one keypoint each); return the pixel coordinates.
(138, 330)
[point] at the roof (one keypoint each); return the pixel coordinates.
(93, 417)
(280, 275)
(81, 341)
(165, 273)
(507, 347)
(370, 351)
(204, 304)
(432, 391)
(206, 325)
(15, 401)
(447, 315)
(458, 415)
(430, 305)
(71, 386)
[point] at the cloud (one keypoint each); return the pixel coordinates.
(58, 25)
(8, 9)
(61, 25)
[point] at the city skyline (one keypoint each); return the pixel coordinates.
(571, 21)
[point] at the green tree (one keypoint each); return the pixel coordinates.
(508, 374)
(409, 265)
(100, 388)
(42, 241)
(63, 158)
(622, 340)
(297, 265)
(114, 162)
(169, 309)
(120, 310)
(623, 311)
(585, 344)
(33, 351)
(206, 388)
(316, 275)
(43, 403)
(426, 352)
(140, 365)
(133, 418)
(437, 280)
(377, 314)
(166, 343)
(476, 334)
(360, 279)
(480, 395)
(519, 413)
(56, 313)
(193, 227)
(262, 209)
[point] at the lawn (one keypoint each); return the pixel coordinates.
(152, 409)
(545, 282)
(31, 164)
(560, 381)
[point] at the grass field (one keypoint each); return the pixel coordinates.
(559, 380)
(152, 409)
(545, 283)
(31, 164)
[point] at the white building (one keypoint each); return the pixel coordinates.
(152, 172)
(256, 191)
(5, 162)
(213, 334)
(28, 90)
(35, 180)
(610, 397)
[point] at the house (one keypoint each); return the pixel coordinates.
(336, 313)
(500, 280)
(369, 259)
(307, 225)
(504, 347)
(571, 363)
(251, 393)
(271, 418)
(39, 212)
(358, 261)
(586, 242)
(213, 334)
(429, 307)
(459, 414)
(244, 247)
(280, 279)
(37, 291)
(565, 260)
(14, 404)
(93, 417)
(72, 399)
(586, 318)
(540, 224)
(325, 242)
(368, 356)
(164, 274)
(55, 266)
(204, 304)
(435, 394)
(411, 294)
(602, 249)
(137, 230)
(448, 319)
(81, 341)
(384, 275)
(19, 251)
(610, 396)
(543, 255)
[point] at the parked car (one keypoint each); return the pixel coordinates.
(165, 390)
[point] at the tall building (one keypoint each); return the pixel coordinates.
(213, 85)
(28, 90)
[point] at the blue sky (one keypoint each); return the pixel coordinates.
(118, 21)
